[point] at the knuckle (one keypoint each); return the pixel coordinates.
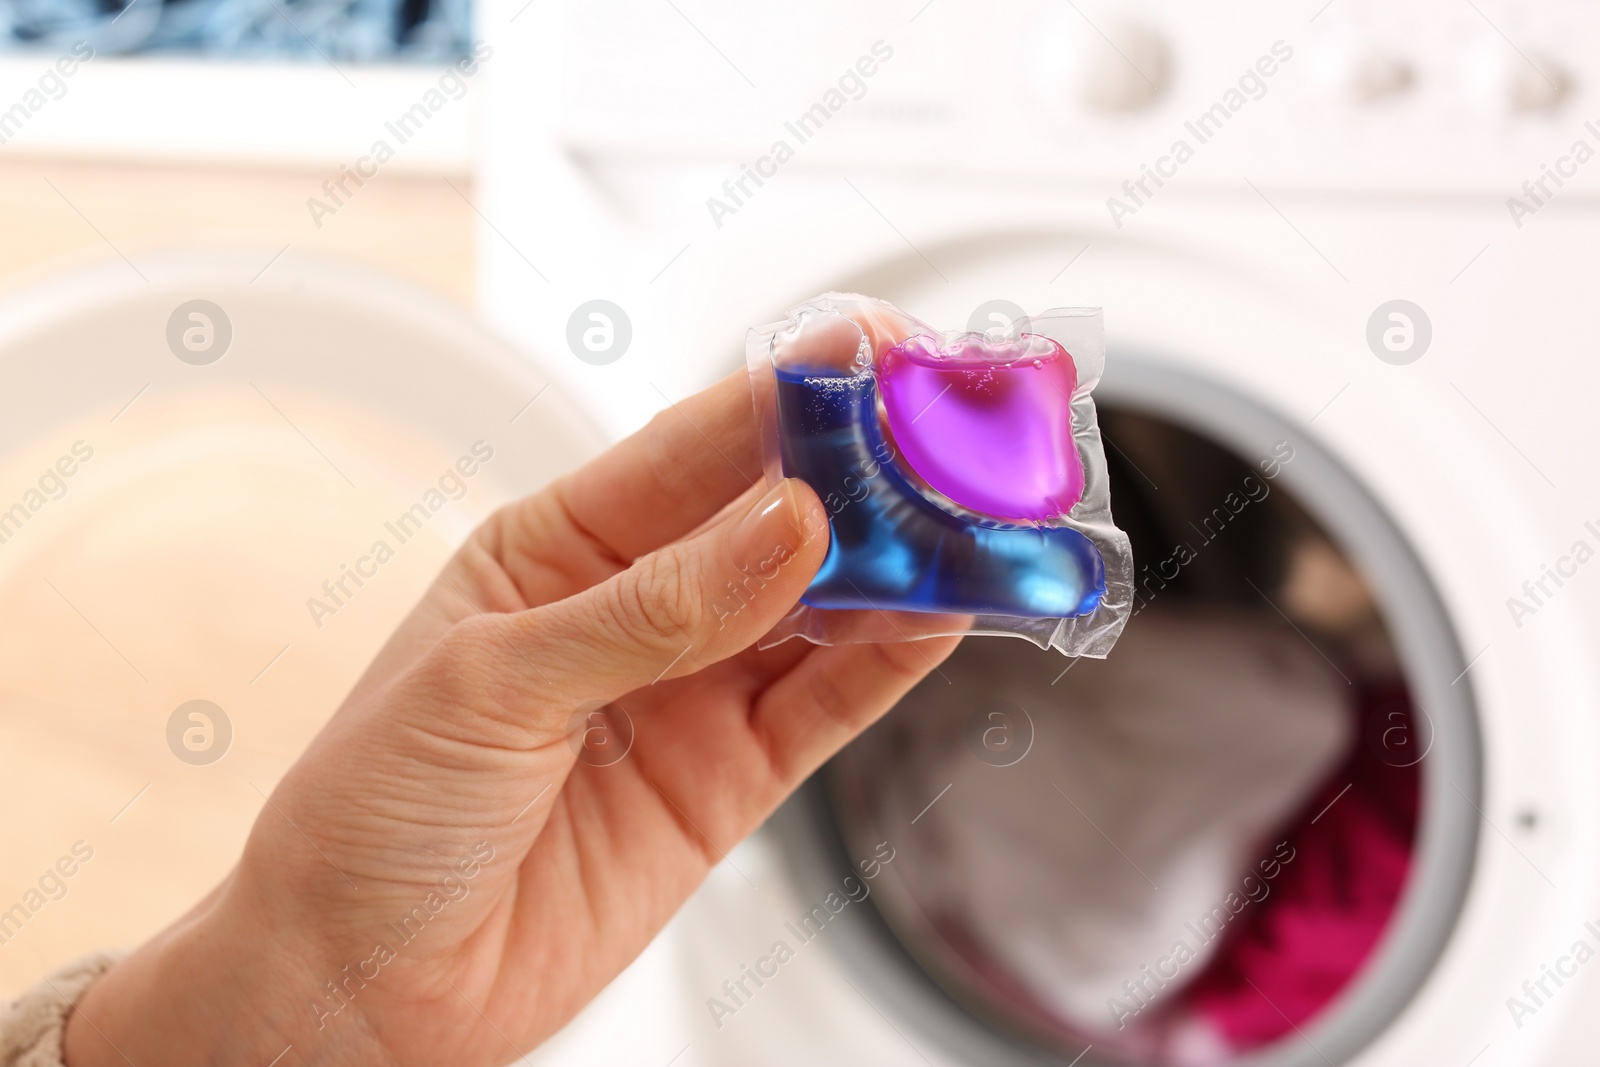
(474, 686)
(658, 597)
(665, 465)
(836, 704)
(672, 458)
(903, 662)
(469, 637)
(450, 666)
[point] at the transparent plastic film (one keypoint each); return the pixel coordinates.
(962, 475)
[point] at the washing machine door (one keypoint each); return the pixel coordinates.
(224, 479)
(1220, 844)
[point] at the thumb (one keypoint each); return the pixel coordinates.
(678, 609)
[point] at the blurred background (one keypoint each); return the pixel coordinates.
(188, 138)
(270, 267)
(410, 31)
(215, 120)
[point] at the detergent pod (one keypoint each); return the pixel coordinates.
(962, 475)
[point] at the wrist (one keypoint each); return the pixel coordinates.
(221, 986)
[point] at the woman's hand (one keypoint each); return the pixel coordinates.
(544, 761)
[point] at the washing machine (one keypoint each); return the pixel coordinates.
(1331, 800)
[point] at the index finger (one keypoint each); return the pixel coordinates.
(649, 490)
(670, 477)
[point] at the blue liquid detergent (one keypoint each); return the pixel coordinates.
(894, 549)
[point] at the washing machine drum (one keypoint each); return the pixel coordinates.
(1205, 848)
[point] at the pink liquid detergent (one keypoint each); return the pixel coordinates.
(988, 424)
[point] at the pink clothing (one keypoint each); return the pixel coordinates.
(1293, 954)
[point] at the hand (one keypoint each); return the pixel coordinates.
(441, 878)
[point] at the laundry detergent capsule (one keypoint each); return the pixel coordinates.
(963, 476)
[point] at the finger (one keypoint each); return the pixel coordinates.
(884, 325)
(675, 475)
(833, 694)
(668, 478)
(675, 610)
(834, 339)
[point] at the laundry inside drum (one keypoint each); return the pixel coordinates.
(1186, 853)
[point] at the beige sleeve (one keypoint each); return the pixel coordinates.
(32, 1026)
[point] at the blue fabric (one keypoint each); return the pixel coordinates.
(318, 30)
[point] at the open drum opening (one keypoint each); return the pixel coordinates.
(1244, 837)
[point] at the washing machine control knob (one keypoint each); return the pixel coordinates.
(1376, 76)
(1535, 83)
(1498, 78)
(1122, 71)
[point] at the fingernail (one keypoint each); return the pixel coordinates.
(769, 533)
